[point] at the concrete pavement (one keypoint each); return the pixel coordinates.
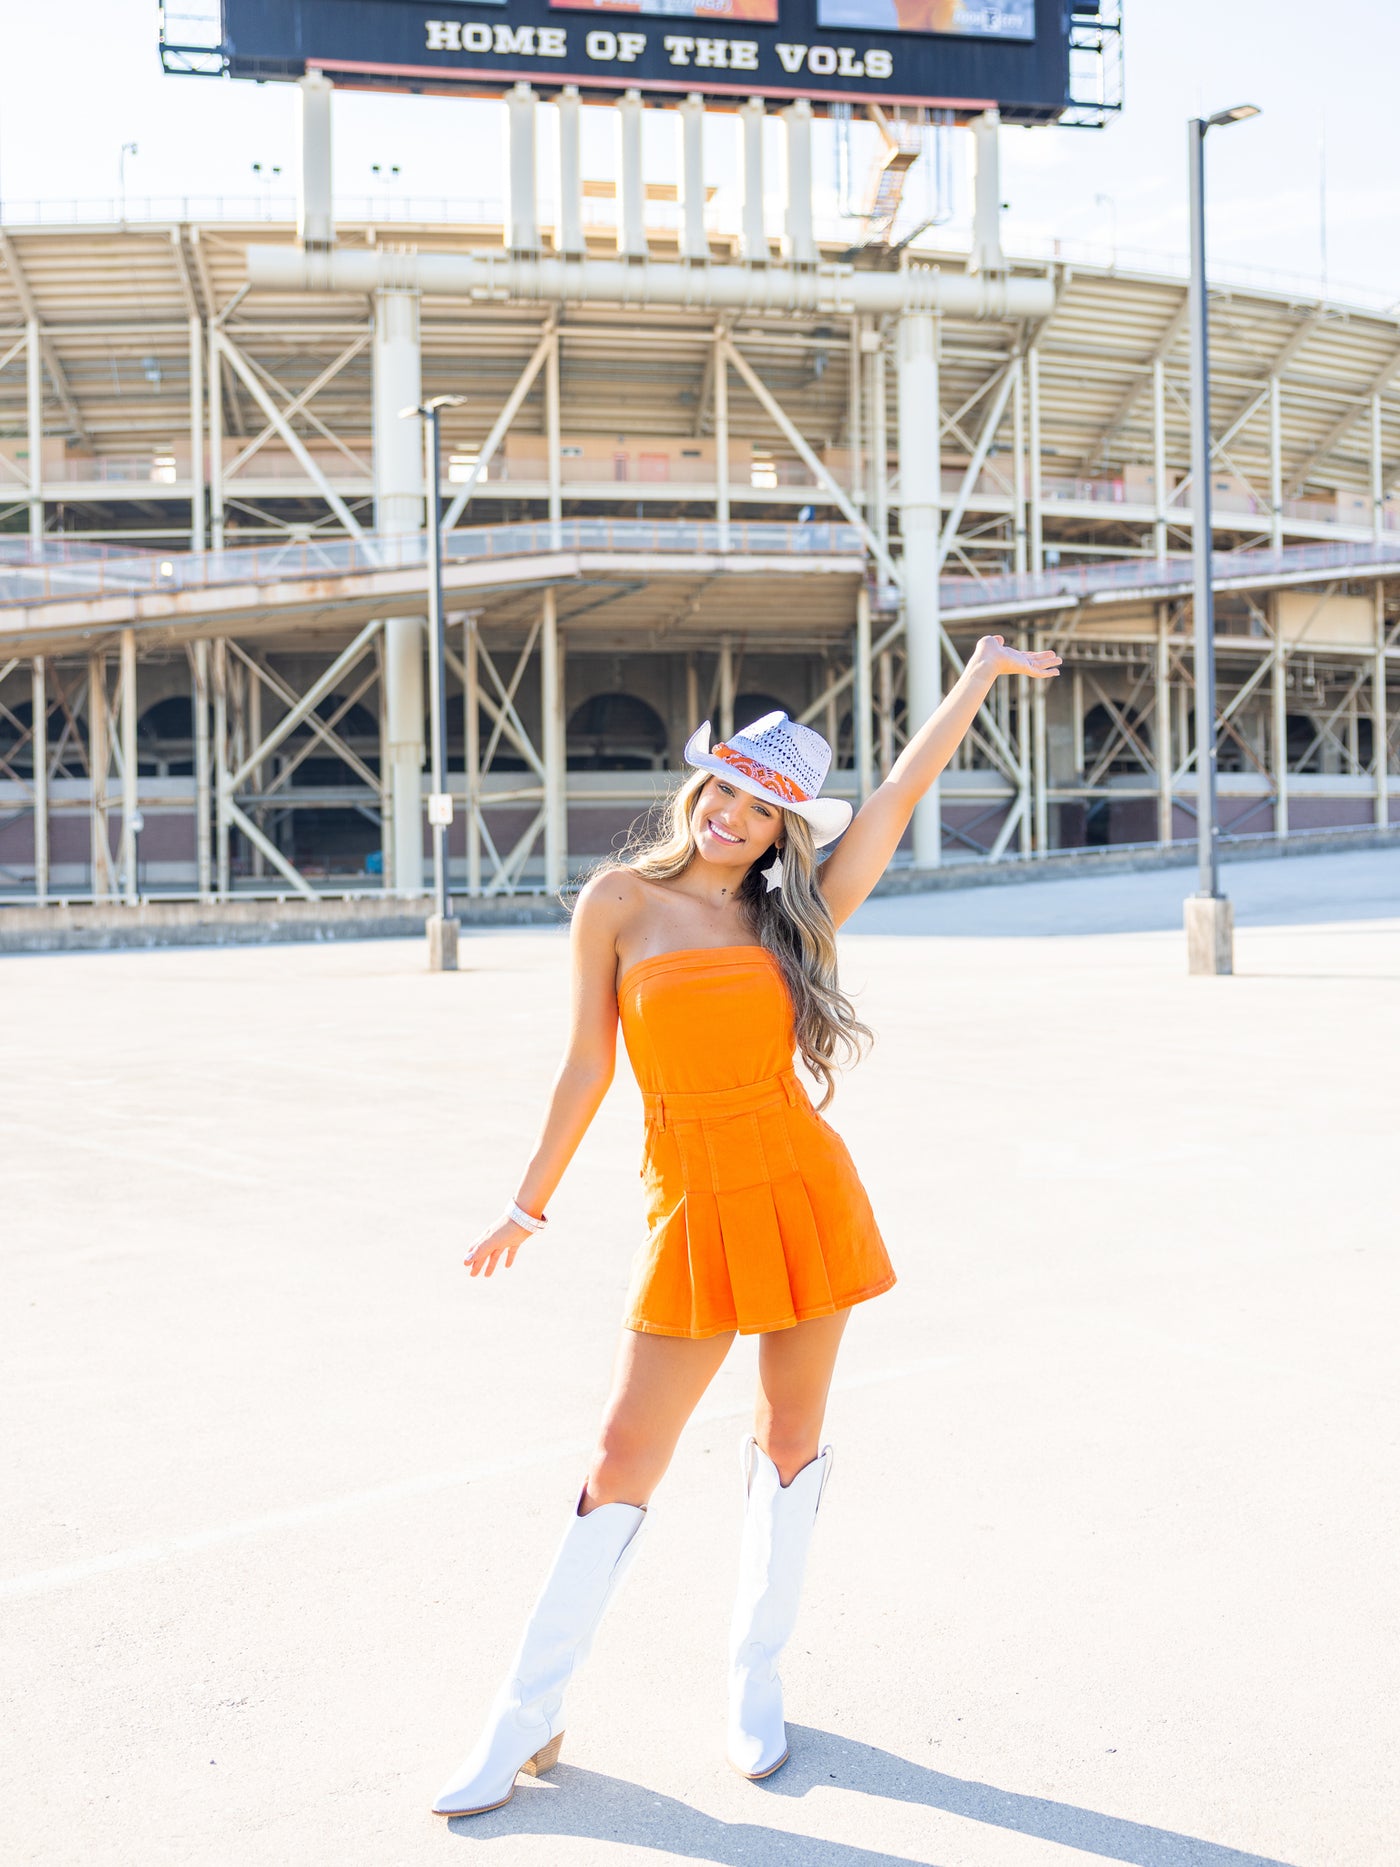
(1106, 1566)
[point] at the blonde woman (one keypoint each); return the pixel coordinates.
(715, 948)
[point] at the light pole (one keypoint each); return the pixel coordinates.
(442, 929)
(128, 149)
(1209, 917)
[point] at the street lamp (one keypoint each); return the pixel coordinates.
(127, 149)
(1209, 917)
(442, 929)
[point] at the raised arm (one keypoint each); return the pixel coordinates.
(863, 854)
(583, 1076)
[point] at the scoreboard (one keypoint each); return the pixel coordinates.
(964, 55)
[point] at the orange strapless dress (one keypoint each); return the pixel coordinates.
(756, 1216)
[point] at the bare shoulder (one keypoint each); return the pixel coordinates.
(609, 899)
(606, 907)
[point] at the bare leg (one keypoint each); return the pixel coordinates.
(658, 1381)
(794, 1377)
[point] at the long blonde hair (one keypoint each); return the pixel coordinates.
(793, 923)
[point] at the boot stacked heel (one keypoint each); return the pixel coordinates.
(543, 1759)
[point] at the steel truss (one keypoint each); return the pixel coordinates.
(1059, 440)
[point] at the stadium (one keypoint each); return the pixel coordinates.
(706, 453)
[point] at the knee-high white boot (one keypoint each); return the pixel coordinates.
(524, 1728)
(778, 1524)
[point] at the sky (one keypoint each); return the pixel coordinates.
(80, 79)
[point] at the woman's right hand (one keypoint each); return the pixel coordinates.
(503, 1239)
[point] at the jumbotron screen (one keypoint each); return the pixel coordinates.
(1015, 20)
(963, 55)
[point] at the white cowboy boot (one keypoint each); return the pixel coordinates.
(524, 1728)
(778, 1524)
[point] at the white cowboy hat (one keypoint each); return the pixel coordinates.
(778, 759)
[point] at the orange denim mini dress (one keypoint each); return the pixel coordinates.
(756, 1216)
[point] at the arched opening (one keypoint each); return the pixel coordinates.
(615, 732)
(846, 733)
(322, 765)
(165, 738)
(749, 707)
(1299, 734)
(1101, 730)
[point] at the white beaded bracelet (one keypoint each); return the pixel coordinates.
(522, 1217)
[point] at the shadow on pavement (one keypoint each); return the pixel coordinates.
(589, 1806)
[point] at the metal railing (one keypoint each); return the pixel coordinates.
(73, 578)
(68, 572)
(1125, 575)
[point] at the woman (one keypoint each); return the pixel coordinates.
(716, 949)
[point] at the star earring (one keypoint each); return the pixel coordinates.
(773, 874)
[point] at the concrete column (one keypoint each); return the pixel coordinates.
(1162, 715)
(886, 712)
(522, 227)
(631, 192)
(398, 509)
(199, 700)
(568, 231)
(920, 424)
(1159, 460)
(1377, 471)
(753, 240)
(99, 762)
(556, 814)
(863, 699)
(986, 200)
(315, 214)
(801, 235)
(129, 790)
(471, 720)
(386, 809)
(721, 440)
(223, 874)
(879, 442)
(690, 118)
(216, 443)
(197, 521)
(552, 441)
(726, 688)
(257, 777)
(1023, 749)
(1276, 463)
(1035, 515)
(1018, 465)
(1040, 769)
(1380, 725)
(39, 713)
(855, 413)
(34, 426)
(1279, 697)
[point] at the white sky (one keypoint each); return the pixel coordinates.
(78, 78)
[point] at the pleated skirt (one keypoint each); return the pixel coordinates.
(756, 1216)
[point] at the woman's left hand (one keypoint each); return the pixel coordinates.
(992, 657)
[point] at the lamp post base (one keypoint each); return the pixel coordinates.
(442, 943)
(1210, 935)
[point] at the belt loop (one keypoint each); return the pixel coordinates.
(661, 1114)
(790, 1085)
